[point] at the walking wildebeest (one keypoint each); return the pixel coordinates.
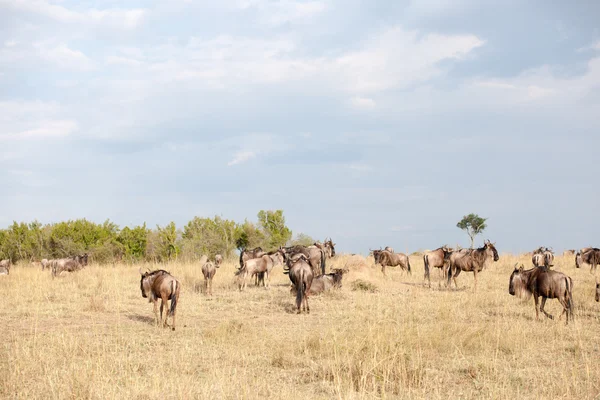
(209, 270)
(218, 260)
(315, 256)
(301, 275)
(543, 257)
(540, 281)
(71, 264)
(263, 264)
(437, 258)
(5, 267)
(159, 284)
(472, 261)
(388, 259)
(588, 255)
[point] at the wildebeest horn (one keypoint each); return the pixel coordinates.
(140, 271)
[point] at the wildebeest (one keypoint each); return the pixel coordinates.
(45, 263)
(263, 264)
(315, 256)
(250, 254)
(437, 259)
(543, 257)
(389, 259)
(472, 261)
(326, 282)
(5, 267)
(209, 270)
(68, 264)
(588, 255)
(568, 252)
(540, 281)
(301, 275)
(159, 284)
(218, 260)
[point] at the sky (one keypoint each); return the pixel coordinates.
(374, 123)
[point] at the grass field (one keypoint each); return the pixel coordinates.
(90, 335)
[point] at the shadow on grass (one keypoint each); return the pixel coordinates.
(141, 318)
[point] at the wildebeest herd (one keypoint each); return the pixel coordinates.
(306, 268)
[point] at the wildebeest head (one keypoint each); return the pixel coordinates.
(447, 252)
(331, 246)
(516, 281)
(578, 259)
(491, 249)
(146, 280)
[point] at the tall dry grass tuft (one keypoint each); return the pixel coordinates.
(91, 335)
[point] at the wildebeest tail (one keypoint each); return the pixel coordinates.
(300, 289)
(323, 262)
(426, 262)
(408, 265)
(569, 295)
(174, 290)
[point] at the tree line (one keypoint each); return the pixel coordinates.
(106, 242)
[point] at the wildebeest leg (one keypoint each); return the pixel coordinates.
(156, 320)
(542, 308)
(455, 274)
(383, 269)
(475, 279)
(162, 305)
(537, 312)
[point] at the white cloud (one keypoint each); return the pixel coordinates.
(34, 120)
(275, 13)
(127, 19)
(362, 103)
(125, 61)
(64, 57)
(241, 157)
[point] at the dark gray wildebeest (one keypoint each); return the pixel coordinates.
(71, 264)
(316, 257)
(540, 281)
(5, 267)
(543, 257)
(472, 261)
(389, 259)
(326, 282)
(437, 258)
(301, 275)
(159, 284)
(263, 264)
(209, 270)
(588, 255)
(218, 260)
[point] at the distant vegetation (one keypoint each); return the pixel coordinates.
(107, 242)
(473, 224)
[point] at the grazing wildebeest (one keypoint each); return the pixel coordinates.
(5, 267)
(326, 282)
(388, 259)
(71, 264)
(568, 253)
(218, 260)
(209, 270)
(543, 257)
(540, 281)
(159, 284)
(588, 255)
(263, 264)
(437, 259)
(472, 261)
(301, 275)
(316, 257)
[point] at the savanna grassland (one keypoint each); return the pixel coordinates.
(90, 335)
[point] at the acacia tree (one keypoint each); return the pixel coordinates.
(273, 226)
(473, 224)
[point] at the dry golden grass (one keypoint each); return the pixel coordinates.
(91, 335)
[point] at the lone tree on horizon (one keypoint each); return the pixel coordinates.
(473, 224)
